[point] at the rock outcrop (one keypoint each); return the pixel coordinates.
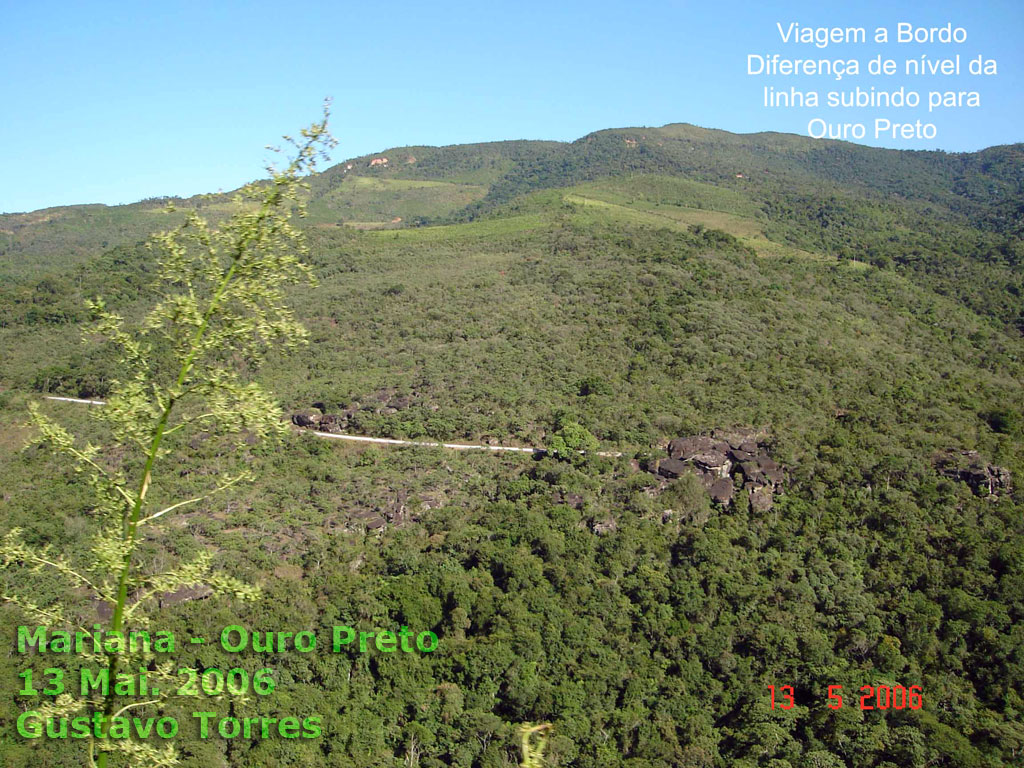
(672, 468)
(383, 402)
(968, 467)
(331, 423)
(306, 419)
(725, 461)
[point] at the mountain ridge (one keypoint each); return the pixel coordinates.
(690, 132)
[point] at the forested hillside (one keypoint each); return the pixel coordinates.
(859, 309)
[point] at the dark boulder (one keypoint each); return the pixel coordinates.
(722, 460)
(761, 499)
(714, 462)
(722, 491)
(306, 419)
(687, 447)
(771, 469)
(672, 468)
(968, 467)
(752, 473)
(329, 422)
(370, 518)
(184, 595)
(707, 479)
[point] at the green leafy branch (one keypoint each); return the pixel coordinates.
(223, 308)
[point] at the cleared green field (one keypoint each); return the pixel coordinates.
(469, 231)
(371, 199)
(748, 231)
(654, 189)
(675, 217)
(370, 182)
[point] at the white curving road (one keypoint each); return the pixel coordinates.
(384, 440)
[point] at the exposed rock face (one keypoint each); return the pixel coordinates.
(398, 512)
(105, 610)
(185, 595)
(721, 492)
(672, 468)
(770, 469)
(723, 461)
(752, 473)
(369, 518)
(306, 419)
(382, 402)
(686, 448)
(330, 423)
(967, 466)
(714, 462)
(707, 479)
(761, 498)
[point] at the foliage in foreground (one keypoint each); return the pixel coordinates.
(180, 376)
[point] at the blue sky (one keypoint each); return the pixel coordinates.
(115, 102)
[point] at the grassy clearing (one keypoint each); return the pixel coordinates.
(461, 232)
(746, 230)
(638, 190)
(372, 182)
(363, 199)
(674, 217)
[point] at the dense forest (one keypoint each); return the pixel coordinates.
(860, 310)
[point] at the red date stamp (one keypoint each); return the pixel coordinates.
(883, 697)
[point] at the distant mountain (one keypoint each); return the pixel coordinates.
(936, 214)
(971, 184)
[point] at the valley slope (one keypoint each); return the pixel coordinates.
(863, 307)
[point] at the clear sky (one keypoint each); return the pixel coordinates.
(115, 102)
